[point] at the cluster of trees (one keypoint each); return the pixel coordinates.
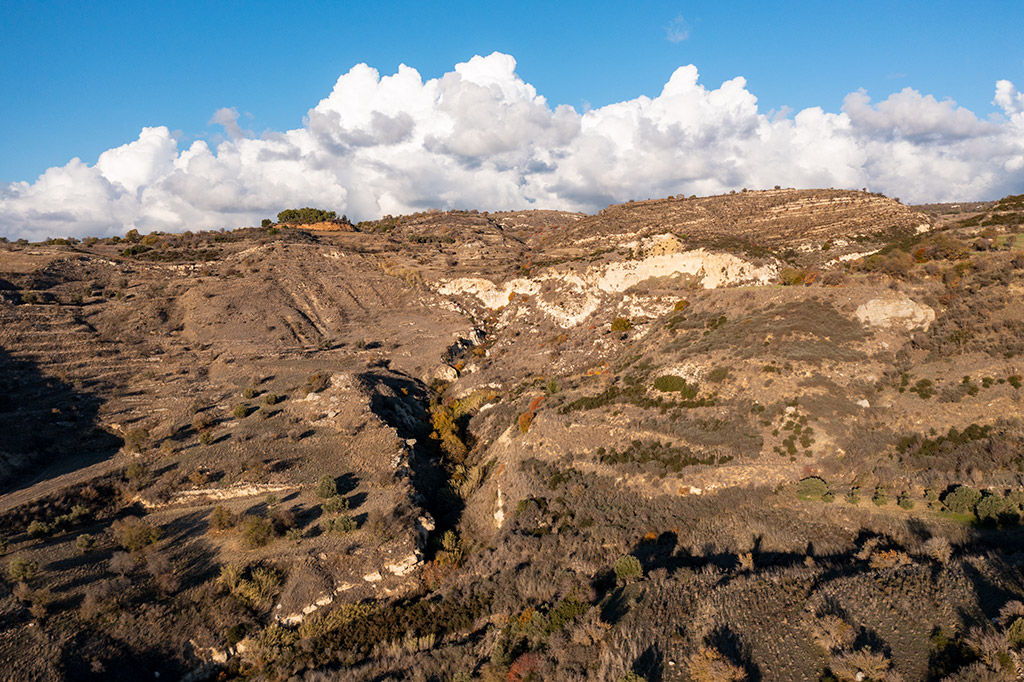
(307, 216)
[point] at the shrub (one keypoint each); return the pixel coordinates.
(962, 500)
(134, 534)
(271, 399)
(201, 422)
(670, 383)
(341, 525)
(317, 382)
(136, 472)
(1015, 633)
(135, 439)
(681, 305)
(206, 437)
(525, 420)
(256, 531)
(222, 518)
(85, 543)
(718, 374)
(795, 276)
(811, 488)
(709, 665)
(249, 393)
(335, 504)
(993, 509)
(21, 569)
(880, 498)
(621, 324)
(240, 411)
(326, 487)
(939, 549)
(627, 568)
(905, 501)
(258, 589)
(39, 529)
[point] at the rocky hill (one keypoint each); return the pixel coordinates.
(766, 436)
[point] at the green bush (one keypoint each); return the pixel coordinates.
(962, 500)
(994, 509)
(85, 543)
(670, 383)
(880, 498)
(335, 504)
(340, 524)
(21, 569)
(240, 411)
(326, 487)
(271, 399)
(621, 324)
(39, 529)
(256, 531)
(222, 518)
(811, 488)
(905, 501)
(134, 534)
(627, 568)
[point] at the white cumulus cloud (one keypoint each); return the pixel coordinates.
(481, 137)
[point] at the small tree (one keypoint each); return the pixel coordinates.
(962, 500)
(22, 569)
(326, 487)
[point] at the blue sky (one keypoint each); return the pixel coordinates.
(77, 78)
(197, 114)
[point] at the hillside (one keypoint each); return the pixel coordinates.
(767, 436)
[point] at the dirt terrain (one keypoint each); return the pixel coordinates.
(765, 436)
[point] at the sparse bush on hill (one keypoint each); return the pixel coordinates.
(257, 531)
(811, 488)
(85, 543)
(135, 534)
(670, 383)
(621, 324)
(222, 518)
(317, 382)
(627, 569)
(21, 569)
(326, 487)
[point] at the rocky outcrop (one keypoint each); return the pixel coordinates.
(899, 312)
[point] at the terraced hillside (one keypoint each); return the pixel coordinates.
(765, 436)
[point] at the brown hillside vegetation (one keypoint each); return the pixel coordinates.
(762, 436)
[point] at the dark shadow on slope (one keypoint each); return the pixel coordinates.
(47, 428)
(401, 402)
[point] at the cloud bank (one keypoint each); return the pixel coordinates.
(481, 137)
